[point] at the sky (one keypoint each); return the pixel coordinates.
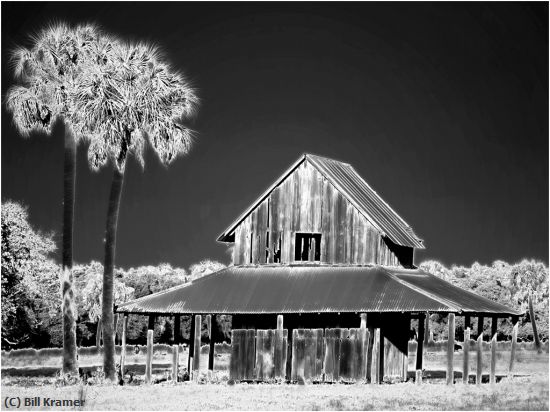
(441, 108)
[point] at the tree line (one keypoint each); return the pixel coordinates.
(31, 298)
(31, 301)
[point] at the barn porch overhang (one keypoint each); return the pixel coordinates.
(281, 289)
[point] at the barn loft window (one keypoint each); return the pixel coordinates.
(307, 247)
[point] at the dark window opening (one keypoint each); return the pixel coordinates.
(267, 246)
(307, 247)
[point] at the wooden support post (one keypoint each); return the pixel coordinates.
(279, 322)
(364, 337)
(123, 348)
(492, 376)
(175, 362)
(177, 329)
(450, 349)
(375, 362)
(363, 324)
(420, 347)
(382, 361)
(191, 346)
(466, 352)
(479, 370)
(197, 346)
(515, 324)
(427, 331)
(480, 320)
(212, 328)
(149, 360)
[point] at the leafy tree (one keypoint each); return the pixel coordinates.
(24, 264)
(90, 278)
(204, 267)
(132, 96)
(510, 284)
(50, 73)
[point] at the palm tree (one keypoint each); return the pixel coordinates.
(50, 73)
(132, 99)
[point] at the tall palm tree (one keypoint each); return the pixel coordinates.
(50, 73)
(133, 99)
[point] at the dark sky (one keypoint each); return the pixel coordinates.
(442, 108)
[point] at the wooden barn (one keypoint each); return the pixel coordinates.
(323, 281)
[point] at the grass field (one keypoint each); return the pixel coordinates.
(516, 394)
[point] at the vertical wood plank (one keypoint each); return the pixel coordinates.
(259, 369)
(149, 359)
(234, 359)
(450, 349)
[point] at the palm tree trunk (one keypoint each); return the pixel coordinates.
(534, 324)
(108, 276)
(68, 306)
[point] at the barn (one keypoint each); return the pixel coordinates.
(323, 278)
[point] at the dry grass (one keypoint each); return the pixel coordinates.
(517, 394)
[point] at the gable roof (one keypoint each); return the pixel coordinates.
(348, 182)
(315, 289)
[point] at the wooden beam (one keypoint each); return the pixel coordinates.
(149, 359)
(123, 348)
(515, 323)
(279, 322)
(420, 348)
(197, 346)
(466, 352)
(492, 376)
(450, 349)
(212, 328)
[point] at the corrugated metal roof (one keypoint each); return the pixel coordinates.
(314, 288)
(344, 177)
(348, 182)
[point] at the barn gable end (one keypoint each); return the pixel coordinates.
(321, 211)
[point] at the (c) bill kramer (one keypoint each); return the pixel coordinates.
(42, 401)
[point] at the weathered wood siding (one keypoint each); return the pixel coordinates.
(306, 202)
